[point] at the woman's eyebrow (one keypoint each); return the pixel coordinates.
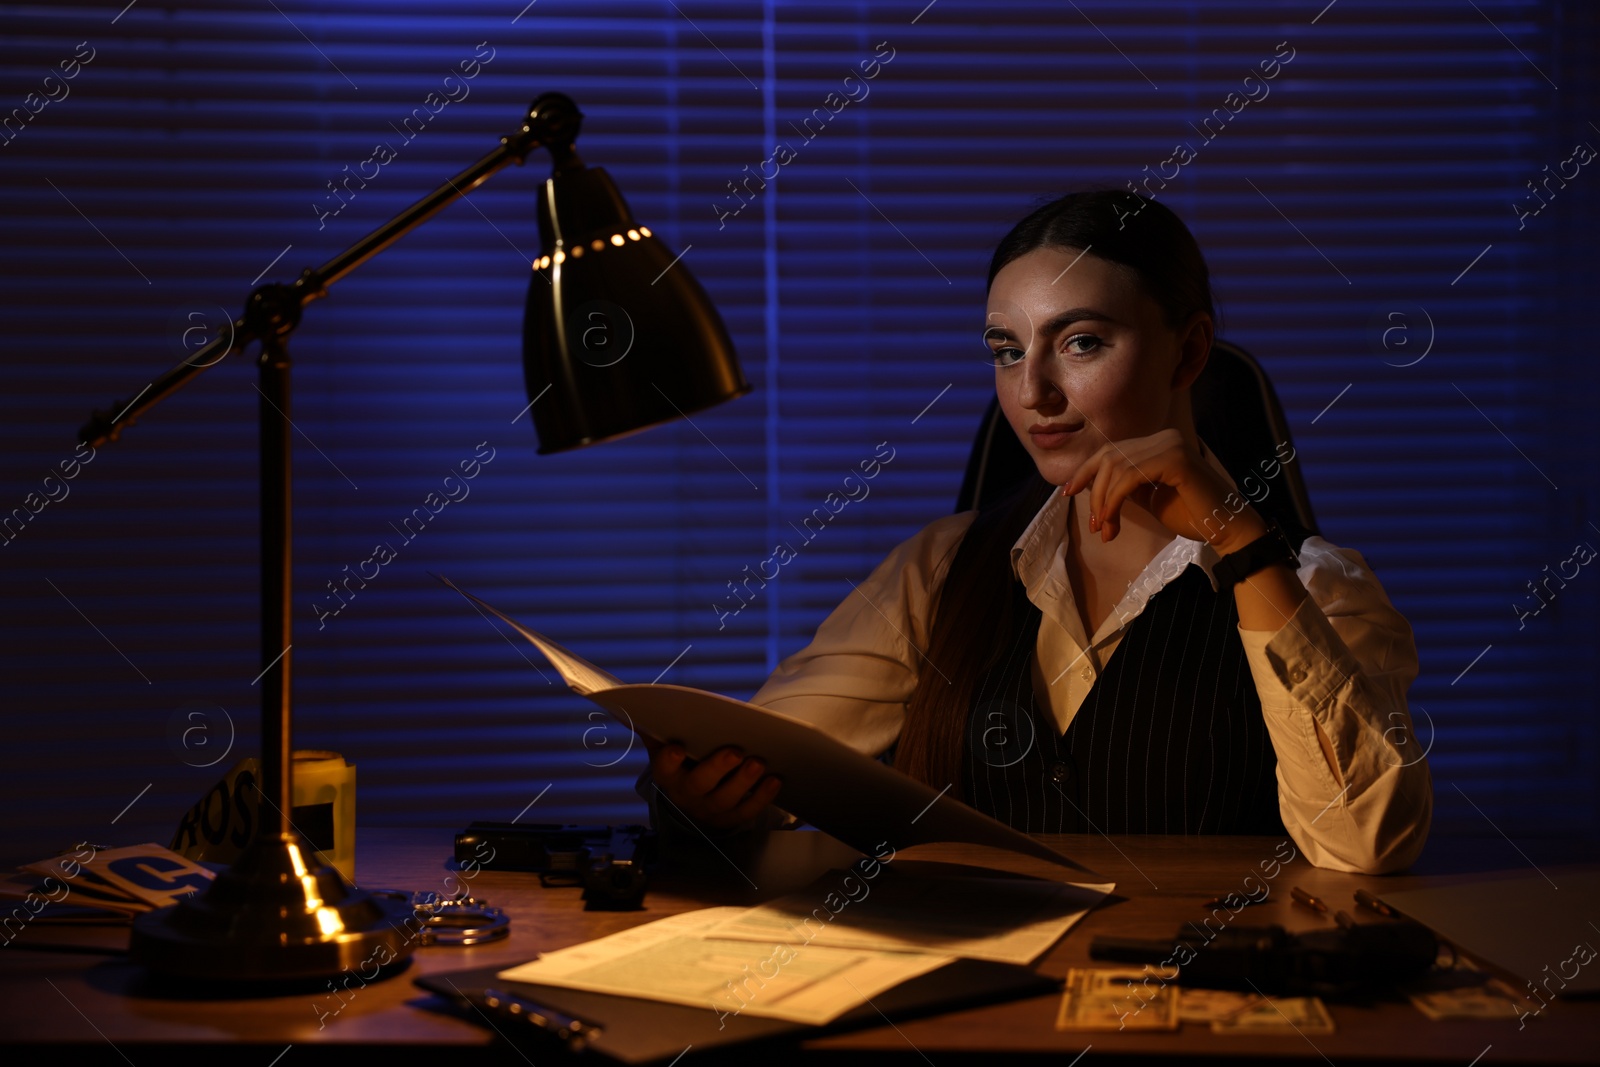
(1060, 322)
(1056, 322)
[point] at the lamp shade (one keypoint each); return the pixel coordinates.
(617, 336)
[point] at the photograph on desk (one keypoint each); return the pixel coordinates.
(972, 528)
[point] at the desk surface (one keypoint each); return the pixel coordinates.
(55, 997)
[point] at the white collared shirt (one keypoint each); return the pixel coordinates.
(1343, 660)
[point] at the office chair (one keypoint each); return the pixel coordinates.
(1236, 413)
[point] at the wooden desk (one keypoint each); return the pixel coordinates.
(51, 999)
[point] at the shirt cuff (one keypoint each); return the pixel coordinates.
(1305, 660)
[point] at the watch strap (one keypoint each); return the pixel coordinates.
(1271, 547)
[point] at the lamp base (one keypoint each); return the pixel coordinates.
(270, 917)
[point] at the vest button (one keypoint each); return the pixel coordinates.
(1058, 772)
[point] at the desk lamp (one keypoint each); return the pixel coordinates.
(620, 336)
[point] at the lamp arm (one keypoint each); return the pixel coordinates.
(274, 309)
(271, 914)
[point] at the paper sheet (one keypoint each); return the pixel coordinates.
(581, 676)
(672, 960)
(1009, 920)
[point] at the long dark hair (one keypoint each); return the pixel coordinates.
(972, 607)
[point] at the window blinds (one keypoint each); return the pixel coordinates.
(836, 175)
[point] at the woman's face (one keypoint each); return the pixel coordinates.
(1084, 357)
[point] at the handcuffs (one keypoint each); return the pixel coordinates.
(460, 920)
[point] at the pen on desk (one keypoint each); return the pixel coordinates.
(572, 1032)
(1307, 899)
(1367, 900)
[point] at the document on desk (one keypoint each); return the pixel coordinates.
(1008, 920)
(862, 802)
(676, 961)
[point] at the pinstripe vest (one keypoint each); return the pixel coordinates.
(1169, 740)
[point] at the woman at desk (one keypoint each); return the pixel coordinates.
(1118, 646)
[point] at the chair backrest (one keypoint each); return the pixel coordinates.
(1236, 413)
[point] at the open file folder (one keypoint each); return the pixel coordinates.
(826, 783)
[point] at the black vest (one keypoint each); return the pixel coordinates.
(1169, 740)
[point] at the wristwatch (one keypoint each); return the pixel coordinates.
(1271, 547)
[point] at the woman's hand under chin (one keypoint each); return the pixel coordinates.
(1170, 479)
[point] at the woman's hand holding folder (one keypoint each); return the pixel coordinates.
(724, 791)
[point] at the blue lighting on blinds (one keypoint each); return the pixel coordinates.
(191, 159)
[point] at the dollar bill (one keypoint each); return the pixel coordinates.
(1204, 1005)
(1278, 1015)
(1117, 999)
(1465, 1002)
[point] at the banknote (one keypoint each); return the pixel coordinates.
(1465, 1002)
(1278, 1015)
(1204, 1005)
(1117, 999)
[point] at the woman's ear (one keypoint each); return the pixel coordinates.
(1194, 349)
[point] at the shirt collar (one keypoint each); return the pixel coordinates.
(1040, 543)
